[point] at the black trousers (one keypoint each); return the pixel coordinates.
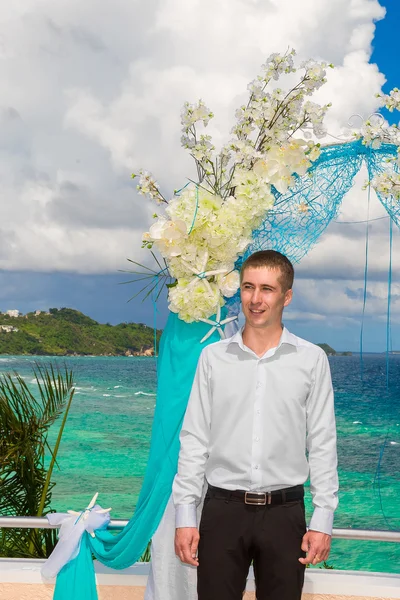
(234, 534)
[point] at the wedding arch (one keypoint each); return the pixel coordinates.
(271, 186)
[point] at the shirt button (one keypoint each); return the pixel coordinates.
(256, 467)
(256, 438)
(258, 384)
(258, 411)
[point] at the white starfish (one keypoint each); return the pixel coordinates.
(202, 274)
(303, 207)
(84, 514)
(216, 325)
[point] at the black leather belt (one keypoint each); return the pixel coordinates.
(258, 498)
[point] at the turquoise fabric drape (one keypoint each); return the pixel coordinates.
(77, 579)
(179, 352)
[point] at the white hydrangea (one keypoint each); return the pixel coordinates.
(195, 206)
(194, 302)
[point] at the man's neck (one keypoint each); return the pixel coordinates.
(262, 340)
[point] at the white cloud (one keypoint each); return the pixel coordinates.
(92, 92)
(333, 300)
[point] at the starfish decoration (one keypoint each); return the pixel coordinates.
(202, 274)
(303, 207)
(216, 325)
(84, 514)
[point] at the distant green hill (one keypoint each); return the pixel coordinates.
(66, 331)
(330, 351)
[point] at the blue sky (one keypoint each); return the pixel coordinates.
(385, 45)
(76, 121)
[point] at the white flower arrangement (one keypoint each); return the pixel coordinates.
(377, 131)
(209, 223)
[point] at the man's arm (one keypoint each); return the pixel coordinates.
(188, 484)
(322, 457)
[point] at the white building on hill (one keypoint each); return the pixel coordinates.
(8, 328)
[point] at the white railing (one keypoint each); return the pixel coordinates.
(42, 523)
(344, 534)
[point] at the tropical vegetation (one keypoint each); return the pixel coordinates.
(66, 331)
(25, 481)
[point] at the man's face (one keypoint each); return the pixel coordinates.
(262, 297)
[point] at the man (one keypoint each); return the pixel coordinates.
(261, 400)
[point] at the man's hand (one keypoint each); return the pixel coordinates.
(186, 543)
(317, 545)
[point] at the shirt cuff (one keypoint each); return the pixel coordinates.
(322, 520)
(185, 515)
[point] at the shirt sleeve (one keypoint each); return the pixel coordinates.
(194, 440)
(321, 446)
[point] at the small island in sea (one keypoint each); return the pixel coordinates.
(331, 352)
(66, 332)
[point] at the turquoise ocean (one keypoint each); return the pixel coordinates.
(107, 439)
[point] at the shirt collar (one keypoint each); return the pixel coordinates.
(286, 338)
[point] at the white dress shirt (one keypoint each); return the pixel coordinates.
(259, 424)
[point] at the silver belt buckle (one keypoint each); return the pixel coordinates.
(262, 499)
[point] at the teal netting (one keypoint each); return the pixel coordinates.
(299, 217)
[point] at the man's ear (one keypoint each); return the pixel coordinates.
(288, 297)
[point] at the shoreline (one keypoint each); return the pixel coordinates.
(77, 355)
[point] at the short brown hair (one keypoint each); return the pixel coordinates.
(272, 260)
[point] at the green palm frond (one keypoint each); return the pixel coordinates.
(25, 482)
